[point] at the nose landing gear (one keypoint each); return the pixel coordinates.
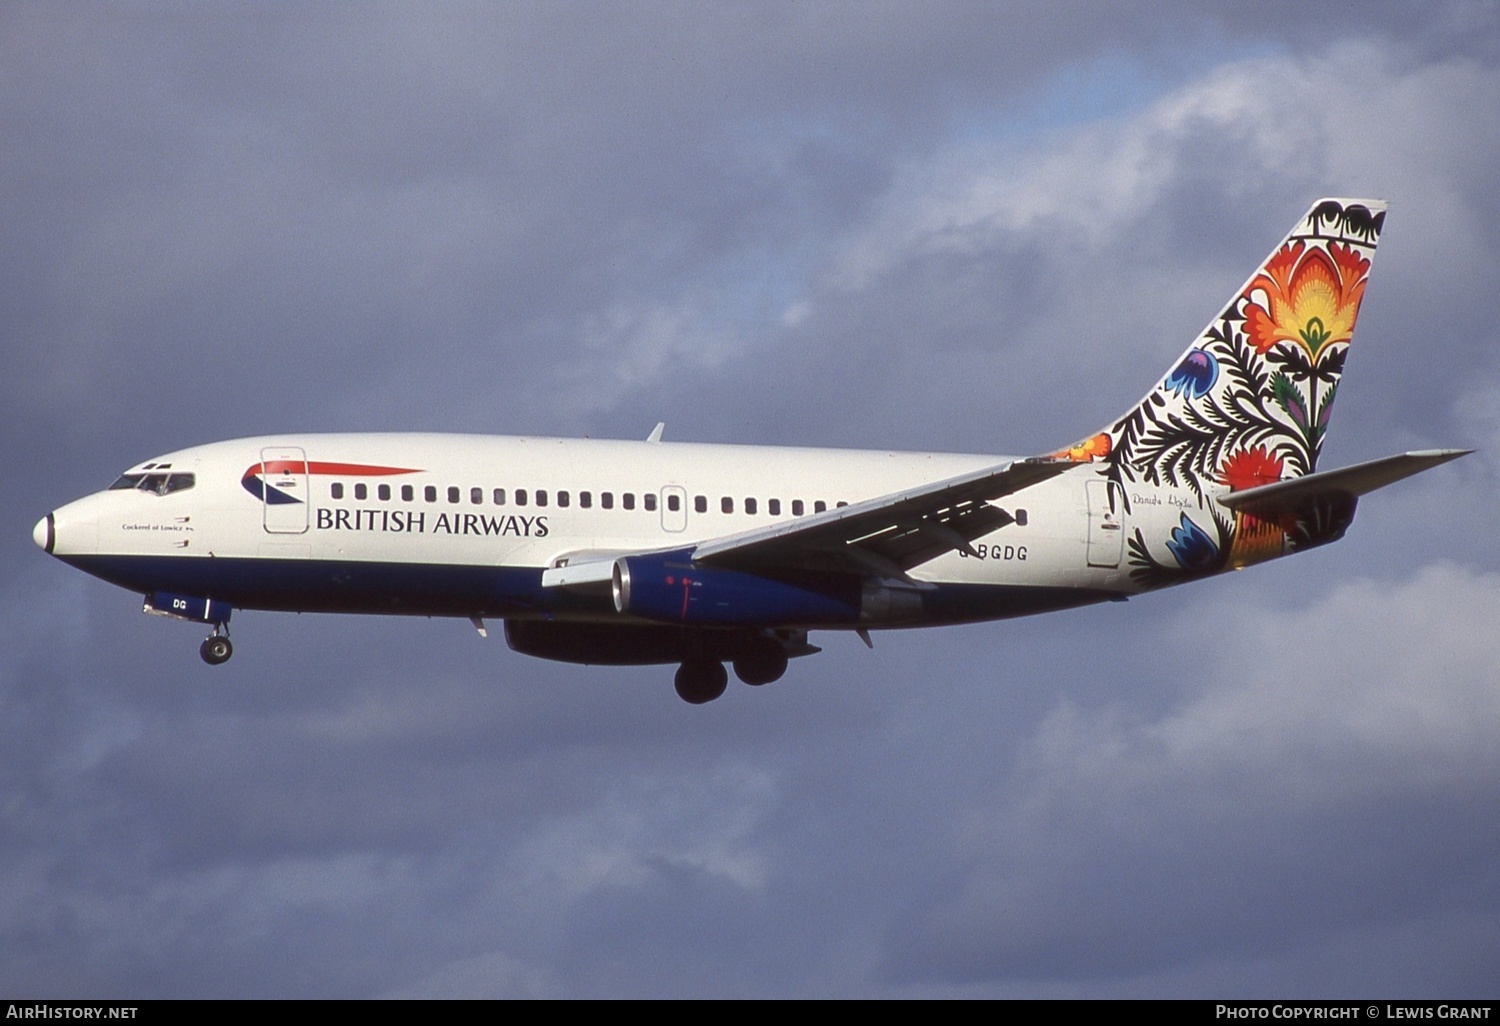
(216, 648)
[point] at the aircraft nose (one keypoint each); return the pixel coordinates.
(44, 533)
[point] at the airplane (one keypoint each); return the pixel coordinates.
(654, 552)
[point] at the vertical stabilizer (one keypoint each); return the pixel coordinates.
(1249, 403)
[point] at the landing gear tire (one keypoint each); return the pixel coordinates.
(762, 661)
(216, 649)
(701, 680)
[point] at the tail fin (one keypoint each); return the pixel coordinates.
(1249, 402)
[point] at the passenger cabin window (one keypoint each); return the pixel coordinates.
(430, 493)
(650, 500)
(453, 493)
(520, 496)
(606, 500)
(336, 489)
(586, 500)
(563, 498)
(700, 503)
(674, 502)
(361, 491)
(406, 493)
(726, 505)
(1020, 518)
(628, 500)
(840, 505)
(499, 496)
(797, 508)
(773, 507)
(820, 506)
(476, 496)
(384, 491)
(752, 506)
(541, 496)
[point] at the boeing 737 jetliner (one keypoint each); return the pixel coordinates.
(613, 552)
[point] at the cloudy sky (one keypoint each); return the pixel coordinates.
(974, 227)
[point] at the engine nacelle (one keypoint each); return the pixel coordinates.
(668, 588)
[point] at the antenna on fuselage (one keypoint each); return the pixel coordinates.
(655, 435)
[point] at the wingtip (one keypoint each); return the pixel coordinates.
(1440, 455)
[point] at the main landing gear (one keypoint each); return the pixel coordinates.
(216, 648)
(703, 679)
(762, 661)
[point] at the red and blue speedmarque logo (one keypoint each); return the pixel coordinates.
(258, 476)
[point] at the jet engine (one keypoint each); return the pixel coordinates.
(668, 588)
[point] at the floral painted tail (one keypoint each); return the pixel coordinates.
(1248, 404)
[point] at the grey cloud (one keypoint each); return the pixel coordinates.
(814, 224)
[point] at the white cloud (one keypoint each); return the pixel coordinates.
(638, 832)
(1243, 817)
(1356, 119)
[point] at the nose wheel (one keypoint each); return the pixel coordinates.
(216, 648)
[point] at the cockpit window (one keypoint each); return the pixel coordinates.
(157, 484)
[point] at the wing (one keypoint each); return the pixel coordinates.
(881, 537)
(889, 535)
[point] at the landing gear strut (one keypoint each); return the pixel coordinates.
(701, 680)
(216, 648)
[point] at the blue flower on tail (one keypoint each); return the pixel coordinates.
(1195, 375)
(1192, 548)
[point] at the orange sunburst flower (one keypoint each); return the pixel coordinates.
(1248, 468)
(1086, 451)
(1308, 297)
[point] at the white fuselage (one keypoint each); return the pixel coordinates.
(415, 503)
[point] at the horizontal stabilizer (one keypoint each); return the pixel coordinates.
(1293, 494)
